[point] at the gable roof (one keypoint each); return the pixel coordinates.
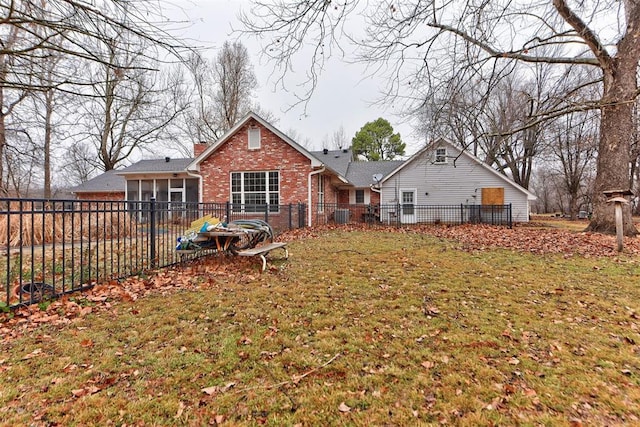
(336, 160)
(195, 163)
(361, 173)
(471, 157)
(107, 182)
(166, 165)
(358, 173)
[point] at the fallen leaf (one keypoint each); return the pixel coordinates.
(33, 354)
(78, 392)
(344, 408)
(427, 364)
(180, 410)
(211, 390)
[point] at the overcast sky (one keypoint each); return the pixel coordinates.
(342, 98)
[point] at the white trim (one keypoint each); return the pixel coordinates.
(440, 141)
(257, 143)
(366, 196)
(435, 156)
(407, 219)
(309, 194)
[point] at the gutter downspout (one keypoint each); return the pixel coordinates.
(309, 219)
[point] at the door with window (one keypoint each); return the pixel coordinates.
(176, 204)
(408, 206)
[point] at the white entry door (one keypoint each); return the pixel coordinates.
(408, 206)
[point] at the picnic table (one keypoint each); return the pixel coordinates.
(235, 240)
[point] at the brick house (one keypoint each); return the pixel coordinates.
(108, 186)
(252, 164)
(257, 168)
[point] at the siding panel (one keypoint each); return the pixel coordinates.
(460, 181)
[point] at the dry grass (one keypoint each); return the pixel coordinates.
(39, 228)
(357, 328)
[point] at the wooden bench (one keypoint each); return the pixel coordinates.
(263, 251)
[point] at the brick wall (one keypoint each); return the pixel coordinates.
(273, 154)
(198, 148)
(111, 195)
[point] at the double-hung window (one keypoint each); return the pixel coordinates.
(255, 191)
(441, 155)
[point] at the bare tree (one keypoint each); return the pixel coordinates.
(48, 109)
(78, 166)
(574, 148)
(199, 120)
(32, 32)
(127, 111)
(81, 25)
(419, 44)
(9, 99)
(221, 92)
(339, 139)
(235, 83)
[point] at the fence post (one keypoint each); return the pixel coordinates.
(152, 237)
(510, 216)
(227, 211)
(290, 216)
(461, 214)
(301, 215)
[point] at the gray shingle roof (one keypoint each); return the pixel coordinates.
(104, 183)
(360, 173)
(336, 160)
(157, 165)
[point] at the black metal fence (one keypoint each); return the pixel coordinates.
(50, 248)
(401, 215)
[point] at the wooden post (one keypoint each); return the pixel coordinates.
(619, 225)
(617, 197)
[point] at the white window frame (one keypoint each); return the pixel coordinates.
(253, 137)
(268, 192)
(321, 193)
(440, 157)
(366, 194)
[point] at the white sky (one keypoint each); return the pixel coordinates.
(342, 97)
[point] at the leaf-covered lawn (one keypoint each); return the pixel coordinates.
(360, 326)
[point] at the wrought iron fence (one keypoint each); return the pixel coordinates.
(401, 215)
(50, 248)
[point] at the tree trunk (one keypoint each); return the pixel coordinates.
(48, 96)
(3, 139)
(614, 150)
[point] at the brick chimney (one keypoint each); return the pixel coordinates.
(198, 148)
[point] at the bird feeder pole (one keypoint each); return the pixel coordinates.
(617, 197)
